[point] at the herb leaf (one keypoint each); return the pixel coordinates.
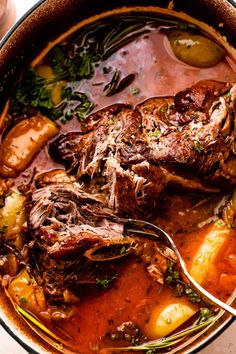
(104, 283)
(35, 92)
(174, 278)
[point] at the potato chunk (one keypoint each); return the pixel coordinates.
(12, 215)
(195, 49)
(23, 142)
(166, 319)
(208, 251)
(26, 293)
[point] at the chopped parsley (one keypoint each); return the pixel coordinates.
(154, 134)
(3, 230)
(111, 120)
(174, 278)
(104, 283)
(123, 249)
(35, 92)
(134, 91)
(23, 300)
(198, 146)
(163, 110)
(219, 222)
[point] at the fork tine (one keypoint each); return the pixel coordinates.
(163, 236)
(143, 233)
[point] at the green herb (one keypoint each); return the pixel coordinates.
(111, 120)
(123, 250)
(219, 222)
(74, 69)
(35, 92)
(3, 230)
(205, 314)
(104, 283)
(174, 278)
(111, 87)
(170, 341)
(228, 94)
(154, 133)
(32, 91)
(193, 296)
(23, 300)
(134, 91)
(198, 146)
(163, 110)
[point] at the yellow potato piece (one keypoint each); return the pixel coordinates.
(166, 320)
(208, 250)
(23, 143)
(23, 291)
(12, 215)
(56, 92)
(195, 49)
(44, 71)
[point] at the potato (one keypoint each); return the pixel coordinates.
(56, 91)
(23, 142)
(12, 215)
(195, 49)
(233, 201)
(209, 250)
(165, 320)
(45, 71)
(26, 293)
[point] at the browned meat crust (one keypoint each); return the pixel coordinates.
(194, 129)
(123, 161)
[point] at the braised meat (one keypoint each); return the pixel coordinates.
(65, 222)
(68, 227)
(114, 150)
(194, 129)
(122, 162)
(66, 218)
(200, 131)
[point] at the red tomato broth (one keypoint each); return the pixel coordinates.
(132, 298)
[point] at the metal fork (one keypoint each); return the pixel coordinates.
(139, 227)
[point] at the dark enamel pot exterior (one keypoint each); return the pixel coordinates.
(44, 22)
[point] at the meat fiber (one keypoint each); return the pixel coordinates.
(115, 150)
(199, 131)
(187, 140)
(123, 161)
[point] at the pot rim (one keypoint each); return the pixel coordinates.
(5, 38)
(13, 331)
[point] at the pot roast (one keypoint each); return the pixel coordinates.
(121, 165)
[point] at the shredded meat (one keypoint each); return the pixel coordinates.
(194, 129)
(123, 161)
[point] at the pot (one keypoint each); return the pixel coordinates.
(43, 23)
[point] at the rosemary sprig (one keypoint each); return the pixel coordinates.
(40, 329)
(37, 323)
(170, 341)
